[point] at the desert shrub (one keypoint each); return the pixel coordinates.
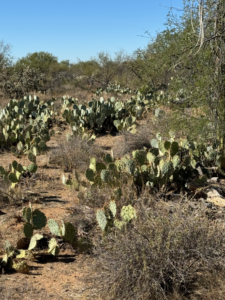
(130, 141)
(161, 255)
(75, 153)
(97, 196)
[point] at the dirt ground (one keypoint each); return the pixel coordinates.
(50, 278)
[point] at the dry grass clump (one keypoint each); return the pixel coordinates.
(162, 255)
(130, 142)
(98, 196)
(75, 154)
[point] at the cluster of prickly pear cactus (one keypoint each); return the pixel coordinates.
(67, 231)
(165, 162)
(16, 170)
(13, 259)
(24, 124)
(99, 173)
(106, 217)
(103, 115)
(35, 219)
(113, 88)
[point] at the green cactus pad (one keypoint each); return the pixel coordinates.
(112, 207)
(20, 168)
(150, 157)
(27, 214)
(28, 230)
(167, 168)
(101, 219)
(105, 175)
(130, 166)
(54, 227)
(176, 161)
(140, 156)
(100, 167)
(93, 164)
(174, 148)
(128, 213)
(33, 241)
(39, 219)
(167, 145)
(32, 157)
(119, 224)
(32, 168)
(70, 233)
(108, 159)
(53, 247)
(154, 143)
(15, 164)
(13, 178)
(90, 175)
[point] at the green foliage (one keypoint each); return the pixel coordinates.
(40, 61)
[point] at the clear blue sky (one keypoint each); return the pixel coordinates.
(72, 29)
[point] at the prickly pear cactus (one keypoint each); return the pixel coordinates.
(54, 227)
(90, 175)
(128, 213)
(105, 175)
(33, 242)
(39, 219)
(112, 207)
(28, 230)
(70, 233)
(21, 267)
(53, 247)
(101, 219)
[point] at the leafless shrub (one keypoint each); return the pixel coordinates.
(161, 255)
(75, 154)
(130, 142)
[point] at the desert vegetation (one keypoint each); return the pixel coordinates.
(120, 161)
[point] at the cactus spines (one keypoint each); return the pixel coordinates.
(101, 219)
(54, 227)
(112, 207)
(128, 213)
(39, 219)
